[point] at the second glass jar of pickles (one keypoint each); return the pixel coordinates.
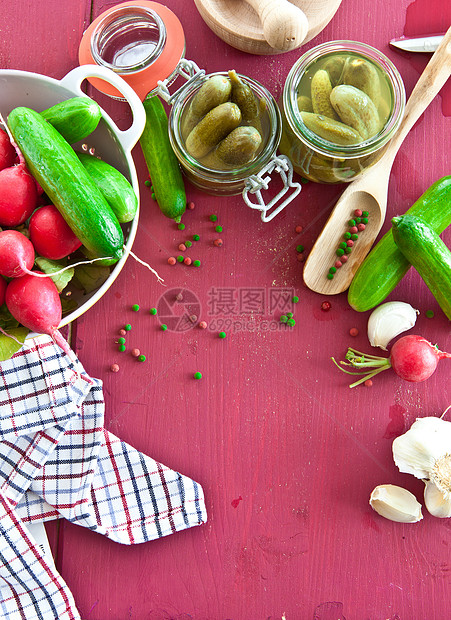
(342, 102)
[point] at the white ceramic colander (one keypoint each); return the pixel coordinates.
(22, 88)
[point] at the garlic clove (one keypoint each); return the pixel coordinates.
(396, 504)
(437, 503)
(426, 443)
(388, 321)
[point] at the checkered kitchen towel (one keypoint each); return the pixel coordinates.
(57, 460)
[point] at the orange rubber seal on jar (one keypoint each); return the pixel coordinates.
(145, 80)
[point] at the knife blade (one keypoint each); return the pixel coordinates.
(420, 43)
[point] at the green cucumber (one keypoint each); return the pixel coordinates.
(57, 169)
(163, 166)
(385, 265)
(424, 249)
(74, 118)
(117, 190)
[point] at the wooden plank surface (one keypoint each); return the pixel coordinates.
(286, 453)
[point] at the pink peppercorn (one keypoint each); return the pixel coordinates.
(350, 243)
(338, 264)
(358, 213)
(136, 352)
(326, 306)
(368, 383)
(300, 257)
(172, 260)
(114, 367)
(299, 229)
(360, 227)
(122, 332)
(353, 331)
(182, 247)
(187, 260)
(218, 242)
(190, 206)
(343, 258)
(203, 324)
(353, 230)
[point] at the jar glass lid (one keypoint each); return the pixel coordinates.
(141, 41)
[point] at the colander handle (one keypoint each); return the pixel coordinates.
(130, 136)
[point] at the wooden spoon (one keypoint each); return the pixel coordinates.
(369, 191)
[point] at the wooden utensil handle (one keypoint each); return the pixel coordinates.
(429, 84)
(285, 26)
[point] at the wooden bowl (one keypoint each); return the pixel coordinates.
(239, 25)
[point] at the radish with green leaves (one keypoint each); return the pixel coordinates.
(412, 357)
(7, 151)
(3, 285)
(16, 254)
(18, 195)
(36, 304)
(50, 234)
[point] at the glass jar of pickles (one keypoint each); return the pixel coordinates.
(341, 103)
(224, 128)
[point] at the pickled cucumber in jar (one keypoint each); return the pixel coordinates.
(348, 89)
(214, 91)
(225, 124)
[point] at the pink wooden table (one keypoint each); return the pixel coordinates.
(286, 453)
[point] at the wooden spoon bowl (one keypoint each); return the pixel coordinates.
(369, 191)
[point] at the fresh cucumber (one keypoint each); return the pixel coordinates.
(163, 166)
(117, 190)
(385, 265)
(57, 169)
(424, 249)
(74, 118)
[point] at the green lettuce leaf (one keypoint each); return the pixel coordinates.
(51, 266)
(91, 277)
(7, 321)
(8, 345)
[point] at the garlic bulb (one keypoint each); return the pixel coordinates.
(389, 320)
(396, 504)
(425, 451)
(436, 502)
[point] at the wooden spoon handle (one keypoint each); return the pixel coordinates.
(285, 26)
(430, 82)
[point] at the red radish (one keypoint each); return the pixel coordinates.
(18, 195)
(7, 151)
(16, 254)
(36, 304)
(2, 290)
(51, 236)
(412, 357)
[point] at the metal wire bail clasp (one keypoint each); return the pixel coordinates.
(188, 70)
(257, 182)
